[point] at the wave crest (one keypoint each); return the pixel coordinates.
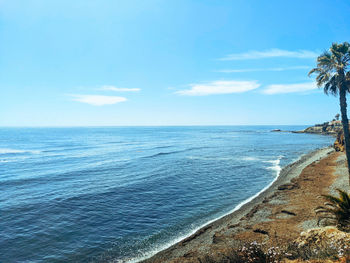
(16, 151)
(275, 165)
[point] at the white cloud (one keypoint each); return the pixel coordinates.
(289, 88)
(97, 100)
(113, 88)
(262, 69)
(219, 87)
(271, 53)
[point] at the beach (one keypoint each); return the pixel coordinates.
(276, 216)
(123, 194)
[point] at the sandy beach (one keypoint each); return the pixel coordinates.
(276, 216)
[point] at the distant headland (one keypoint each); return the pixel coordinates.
(333, 127)
(327, 128)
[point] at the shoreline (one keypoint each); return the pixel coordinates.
(203, 236)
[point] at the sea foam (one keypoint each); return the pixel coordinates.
(14, 151)
(275, 165)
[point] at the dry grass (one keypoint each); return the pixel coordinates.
(258, 253)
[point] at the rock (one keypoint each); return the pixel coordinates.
(276, 130)
(330, 128)
(314, 129)
(322, 236)
(339, 144)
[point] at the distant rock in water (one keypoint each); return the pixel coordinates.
(276, 130)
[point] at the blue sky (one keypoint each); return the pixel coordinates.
(170, 62)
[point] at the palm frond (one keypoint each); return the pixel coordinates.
(326, 61)
(332, 65)
(332, 199)
(322, 78)
(336, 208)
(344, 197)
(314, 70)
(331, 86)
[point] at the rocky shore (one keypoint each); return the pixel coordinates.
(276, 217)
(333, 128)
(326, 128)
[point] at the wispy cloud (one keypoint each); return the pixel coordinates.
(271, 53)
(97, 100)
(290, 88)
(219, 87)
(262, 69)
(113, 88)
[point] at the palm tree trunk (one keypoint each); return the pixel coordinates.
(345, 122)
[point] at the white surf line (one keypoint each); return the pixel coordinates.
(13, 151)
(275, 165)
(177, 240)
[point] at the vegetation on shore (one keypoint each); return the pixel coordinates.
(334, 76)
(336, 210)
(311, 247)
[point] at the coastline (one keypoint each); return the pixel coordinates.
(203, 238)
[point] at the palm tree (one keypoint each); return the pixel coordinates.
(336, 209)
(337, 116)
(334, 76)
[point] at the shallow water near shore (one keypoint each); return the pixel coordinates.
(103, 194)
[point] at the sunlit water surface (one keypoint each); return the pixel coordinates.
(100, 194)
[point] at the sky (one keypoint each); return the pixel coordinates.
(166, 62)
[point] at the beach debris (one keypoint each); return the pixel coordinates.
(233, 226)
(288, 212)
(189, 254)
(251, 212)
(195, 235)
(261, 231)
(266, 200)
(217, 238)
(289, 186)
(309, 179)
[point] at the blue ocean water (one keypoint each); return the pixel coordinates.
(118, 194)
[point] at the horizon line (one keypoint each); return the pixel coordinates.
(120, 126)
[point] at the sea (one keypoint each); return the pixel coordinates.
(120, 194)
